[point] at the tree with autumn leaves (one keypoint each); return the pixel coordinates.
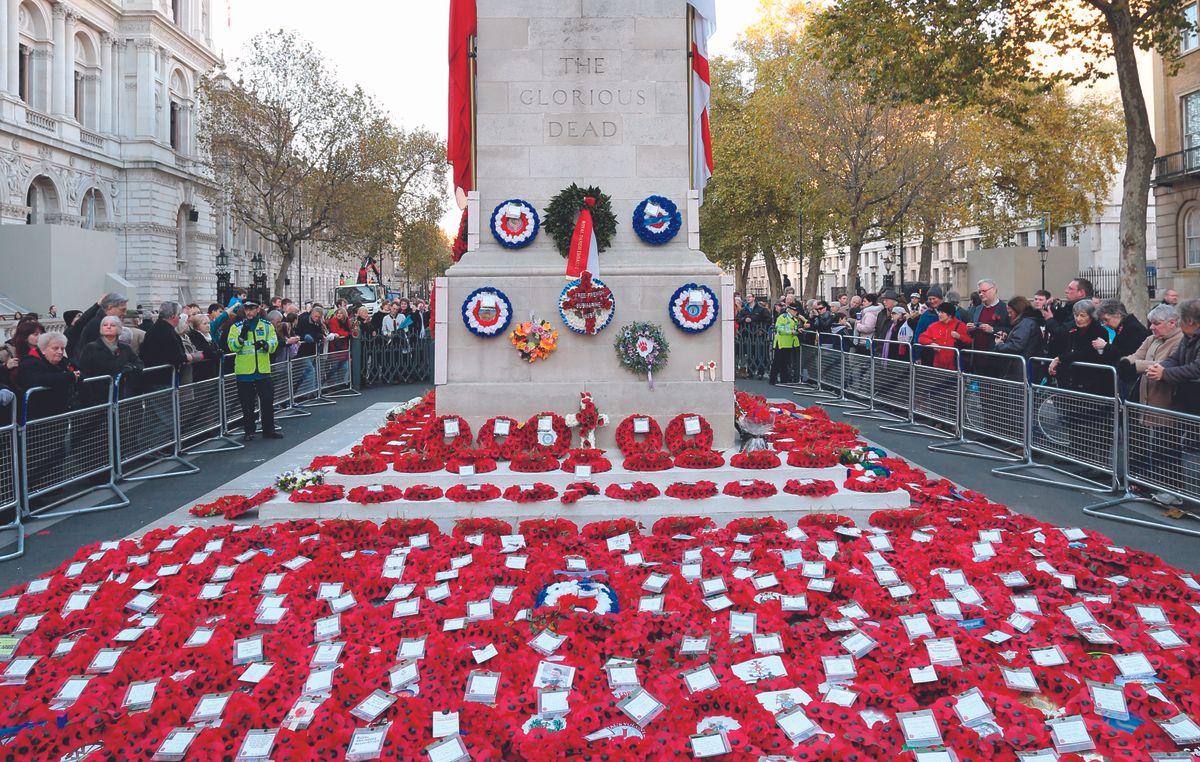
(807, 157)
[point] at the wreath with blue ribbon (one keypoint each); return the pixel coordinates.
(487, 312)
(514, 223)
(694, 307)
(586, 305)
(657, 220)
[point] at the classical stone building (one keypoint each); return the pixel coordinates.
(100, 183)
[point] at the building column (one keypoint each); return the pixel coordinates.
(68, 79)
(145, 88)
(106, 83)
(164, 119)
(58, 101)
(6, 36)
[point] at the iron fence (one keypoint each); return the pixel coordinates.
(397, 359)
(1106, 283)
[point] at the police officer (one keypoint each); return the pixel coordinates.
(253, 340)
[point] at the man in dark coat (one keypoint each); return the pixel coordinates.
(87, 328)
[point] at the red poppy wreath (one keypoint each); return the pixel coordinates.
(700, 459)
(692, 490)
(534, 493)
(422, 493)
(474, 458)
(361, 465)
(812, 458)
(648, 461)
(555, 440)
(375, 493)
(750, 488)
(318, 493)
(627, 435)
(417, 463)
(507, 442)
(587, 457)
(758, 460)
(634, 493)
(810, 487)
(576, 491)
(688, 431)
(533, 463)
(475, 493)
(445, 435)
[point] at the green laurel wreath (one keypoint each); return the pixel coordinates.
(560, 216)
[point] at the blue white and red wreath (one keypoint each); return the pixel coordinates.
(584, 596)
(694, 307)
(657, 220)
(487, 312)
(515, 223)
(586, 305)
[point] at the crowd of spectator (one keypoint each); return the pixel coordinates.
(109, 340)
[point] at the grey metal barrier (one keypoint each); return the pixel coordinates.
(932, 393)
(282, 385)
(398, 360)
(10, 490)
(306, 382)
(889, 374)
(808, 370)
(231, 408)
(851, 365)
(993, 404)
(200, 417)
(1078, 427)
(68, 449)
(336, 378)
(147, 428)
(1160, 451)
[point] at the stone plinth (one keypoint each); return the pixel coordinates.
(593, 93)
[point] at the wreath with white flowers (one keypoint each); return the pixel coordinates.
(487, 312)
(515, 223)
(600, 598)
(657, 220)
(693, 308)
(586, 305)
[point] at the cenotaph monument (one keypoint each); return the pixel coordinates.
(593, 93)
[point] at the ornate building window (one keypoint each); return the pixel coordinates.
(1191, 237)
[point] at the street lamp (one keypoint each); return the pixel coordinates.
(258, 266)
(1043, 253)
(223, 287)
(889, 260)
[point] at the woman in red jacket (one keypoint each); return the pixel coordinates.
(948, 331)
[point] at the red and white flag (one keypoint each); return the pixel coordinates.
(585, 252)
(704, 25)
(458, 145)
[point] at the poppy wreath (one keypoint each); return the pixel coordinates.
(539, 493)
(401, 530)
(318, 493)
(479, 459)
(547, 530)
(825, 520)
(636, 492)
(756, 525)
(484, 525)
(855, 483)
(216, 507)
(422, 493)
(671, 526)
(576, 491)
(692, 491)
(810, 487)
(378, 493)
(758, 460)
(678, 441)
(533, 463)
(757, 488)
(812, 458)
(657, 220)
(602, 530)
(417, 463)
(587, 457)
(700, 459)
(361, 465)
(506, 445)
(539, 442)
(433, 439)
(479, 493)
(515, 223)
(322, 461)
(628, 442)
(648, 461)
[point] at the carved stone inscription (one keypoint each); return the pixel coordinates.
(587, 110)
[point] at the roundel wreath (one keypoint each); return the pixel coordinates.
(562, 212)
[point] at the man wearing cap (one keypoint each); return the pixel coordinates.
(787, 338)
(890, 300)
(253, 340)
(933, 298)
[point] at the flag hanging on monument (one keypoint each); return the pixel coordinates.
(458, 143)
(704, 25)
(585, 251)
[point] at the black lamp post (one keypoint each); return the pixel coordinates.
(223, 285)
(888, 261)
(258, 266)
(1043, 253)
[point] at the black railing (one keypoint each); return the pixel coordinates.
(1107, 283)
(1176, 166)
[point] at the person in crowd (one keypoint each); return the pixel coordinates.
(914, 303)
(289, 307)
(25, 338)
(948, 331)
(277, 304)
(843, 301)
(87, 328)
(52, 312)
(868, 318)
(1082, 348)
(889, 300)
(1023, 337)
(339, 329)
(253, 340)
(984, 321)
(896, 336)
(107, 356)
(310, 328)
(933, 300)
(8, 397)
(1125, 334)
(1060, 318)
(148, 318)
(18, 316)
(163, 345)
(1182, 368)
(753, 314)
(8, 367)
(787, 339)
(1171, 297)
(856, 304)
(363, 326)
(47, 366)
(286, 347)
(1165, 338)
(200, 335)
(419, 327)
(395, 321)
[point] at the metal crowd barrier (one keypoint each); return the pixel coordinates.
(1160, 452)
(202, 415)
(993, 404)
(281, 386)
(147, 427)
(306, 382)
(68, 449)
(1073, 426)
(808, 382)
(10, 490)
(857, 374)
(336, 376)
(756, 342)
(404, 360)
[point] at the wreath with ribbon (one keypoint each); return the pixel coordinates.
(530, 494)
(563, 210)
(576, 491)
(627, 441)
(657, 220)
(642, 348)
(693, 308)
(515, 223)
(487, 312)
(586, 305)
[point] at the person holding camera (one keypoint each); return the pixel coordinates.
(253, 340)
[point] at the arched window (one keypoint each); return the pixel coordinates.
(1191, 236)
(92, 211)
(86, 82)
(42, 200)
(33, 55)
